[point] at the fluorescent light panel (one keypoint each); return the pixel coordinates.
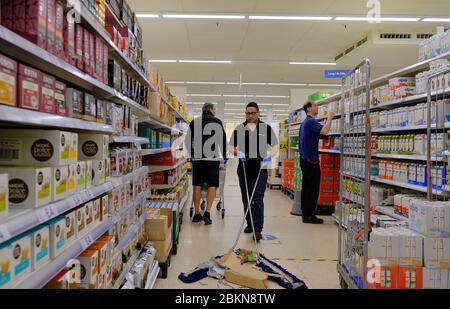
(312, 63)
(285, 84)
(203, 95)
(206, 61)
(205, 83)
(147, 15)
(378, 19)
(203, 16)
(162, 61)
(281, 17)
(436, 20)
(325, 85)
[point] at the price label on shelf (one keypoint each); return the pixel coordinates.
(77, 199)
(4, 233)
(87, 241)
(46, 214)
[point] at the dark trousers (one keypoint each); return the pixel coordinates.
(258, 198)
(310, 187)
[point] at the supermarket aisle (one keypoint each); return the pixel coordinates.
(295, 240)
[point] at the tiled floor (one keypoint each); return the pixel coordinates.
(298, 241)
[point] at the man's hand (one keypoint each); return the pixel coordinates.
(331, 114)
(241, 156)
(266, 161)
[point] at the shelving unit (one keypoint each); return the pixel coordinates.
(169, 186)
(146, 152)
(406, 157)
(389, 211)
(157, 125)
(25, 220)
(126, 269)
(406, 185)
(160, 168)
(330, 151)
(130, 139)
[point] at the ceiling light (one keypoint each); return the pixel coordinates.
(237, 95)
(378, 19)
(325, 85)
(206, 61)
(265, 17)
(203, 95)
(437, 20)
(285, 84)
(162, 61)
(175, 82)
(146, 15)
(271, 96)
(203, 16)
(312, 63)
(206, 83)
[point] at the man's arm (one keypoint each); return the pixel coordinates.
(326, 129)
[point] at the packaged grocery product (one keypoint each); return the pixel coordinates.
(29, 87)
(93, 146)
(57, 236)
(47, 100)
(8, 81)
(40, 248)
(60, 99)
(60, 177)
(4, 197)
(70, 220)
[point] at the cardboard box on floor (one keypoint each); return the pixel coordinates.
(158, 229)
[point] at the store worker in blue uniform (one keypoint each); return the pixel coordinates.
(255, 143)
(310, 132)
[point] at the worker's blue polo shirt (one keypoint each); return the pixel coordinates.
(309, 139)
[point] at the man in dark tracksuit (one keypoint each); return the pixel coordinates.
(310, 132)
(250, 141)
(206, 142)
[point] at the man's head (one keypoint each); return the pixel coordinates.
(311, 109)
(209, 108)
(252, 112)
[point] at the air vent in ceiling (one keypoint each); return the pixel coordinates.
(338, 56)
(395, 36)
(424, 36)
(362, 41)
(349, 50)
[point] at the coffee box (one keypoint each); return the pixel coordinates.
(75, 103)
(81, 221)
(105, 207)
(72, 179)
(97, 205)
(81, 176)
(89, 213)
(47, 102)
(60, 99)
(40, 246)
(57, 236)
(6, 269)
(79, 34)
(70, 220)
(21, 256)
(93, 146)
(89, 174)
(51, 27)
(60, 177)
(36, 22)
(4, 197)
(8, 81)
(86, 52)
(73, 148)
(59, 30)
(69, 41)
(89, 264)
(89, 108)
(29, 187)
(29, 89)
(98, 167)
(100, 111)
(107, 169)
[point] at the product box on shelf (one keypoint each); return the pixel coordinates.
(410, 278)
(430, 218)
(89, 262)
(36, 22)
(435, 278)
(98, 57)
(21, 256)
(384, 246)
(97, 203)
(8, 81)
(47, 100)
(100, 111)
(57, 236)
(104, 207)
(81, 221)
(59, 30)
(79, 34)
(18, 15)
(89, 213)
(29, 87)
(72, 179)
(69, 41)
(98, 172)
(70, 220)
(437, 252)
(6, 260)
(81, 176)
(165, 158)
(51, 25)
(59, 184)
(40, 246)
(89, 174)
(60, 99)
(4, 196)
(86, 52)
(89, 109)
(92, 54)
(109, 113)
(102, 249)
(73, 148)
(105, 64)
(107, 169)
(410, 249)
(389, 277)
(75, 103)
(29, 187)
(93, 146)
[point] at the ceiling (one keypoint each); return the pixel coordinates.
(261, 50)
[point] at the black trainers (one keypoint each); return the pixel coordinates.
(197, 218)
(248, 230)
(312, 220)
(207, 218)
(258, 236)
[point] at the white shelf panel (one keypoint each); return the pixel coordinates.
(160, 168)
(146, 152)
(330, 151)
(126, 269)
(406, 157)
(20, 116)
(162, 187)
(130, 139)
(389, 211)
(405, 185)
(41, 277)
(29, 219)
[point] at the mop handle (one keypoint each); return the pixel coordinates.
(248, 210)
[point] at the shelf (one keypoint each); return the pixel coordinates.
(330, 151)
(152, 276)
(132, 231)
(157, 125)
(325, 117)
(334, 134)
(160, 168)
(405, 185)
(162, 187)
(91, 22)
(354, 176)
(137, 109)
(294, 123)
(389, 211)
(118, 180)
(176, 112)
(124, 212)
(406, 157)
(25, 221)
(25, 117)
(410, 128)
(41, 277)
(409, 70)
(336, 219)
(126, 270)
(130, 139)
(146, 152)
(361, 202)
